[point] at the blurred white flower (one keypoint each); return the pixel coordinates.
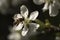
(14, 36)
(23, 25)
(52, 5)
(3, 6)
(15, 2)
(57, 38)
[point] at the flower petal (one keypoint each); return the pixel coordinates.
(18, 27)
(53, 10)
(38, 2)
(24, 31)
(17, 16)
(24, 11)
(33, 15)
(34, 26)
(45, 6)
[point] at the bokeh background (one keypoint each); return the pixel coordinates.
(10, 7)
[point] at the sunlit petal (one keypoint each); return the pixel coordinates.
(33, 15)
(24, 11)
(38, 2)
(24, 31)
(18, 27)
(53, 10)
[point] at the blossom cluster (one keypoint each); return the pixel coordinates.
(23, 22)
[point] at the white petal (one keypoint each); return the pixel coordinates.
(38, 2)
(53, 10)
(18, 27)
(45, 7)
(17, 16)
(24, 11)
(34, 26)
(24, 31)
(33, 15)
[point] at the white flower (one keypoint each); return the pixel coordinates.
(24, 14)
(52, 5)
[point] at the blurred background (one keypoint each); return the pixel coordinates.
(10, 7)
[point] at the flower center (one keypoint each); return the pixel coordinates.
(27, 21)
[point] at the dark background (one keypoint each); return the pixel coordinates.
(6, 20)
